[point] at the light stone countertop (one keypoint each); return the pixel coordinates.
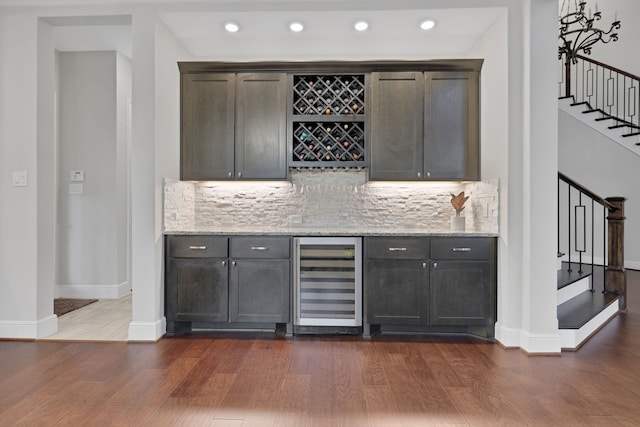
(310, 231)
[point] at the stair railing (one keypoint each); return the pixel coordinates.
(591, 232)
(604, 89)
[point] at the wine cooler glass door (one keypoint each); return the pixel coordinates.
(328, 281)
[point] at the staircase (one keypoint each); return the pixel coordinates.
(602, 123)
(591, 279)
(583, 307)
(591, 276)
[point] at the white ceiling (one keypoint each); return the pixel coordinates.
(328, 34)
(391, 33)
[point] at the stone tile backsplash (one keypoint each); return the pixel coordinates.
(326, 199)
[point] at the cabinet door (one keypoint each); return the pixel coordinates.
(451, 126)
(259, 290)
(396, 126)
(397, 292)
(461, 293)
(197, 290)
(261, 122)
(207, 140)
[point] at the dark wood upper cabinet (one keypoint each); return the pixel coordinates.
(425, 126)
(233, 126)
(396, 126)
(451, 126)
(405, 120)
(261, 125)
(208, 115)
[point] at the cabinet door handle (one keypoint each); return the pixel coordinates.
(230, 174)
(424, 265)
(224, 263)
(233, 263)
(239, 174)
(259, 248)
(397, 249)
(198, 248)
(419, 175)
(461, 249)
(435, 265)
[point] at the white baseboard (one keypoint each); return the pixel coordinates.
(147, 331)
(540, 343)
(633, 265)
(24, 329)
(508, 337)
(530, 343)
(93, 291)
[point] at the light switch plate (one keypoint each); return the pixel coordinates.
(77, 176)
(20, 179)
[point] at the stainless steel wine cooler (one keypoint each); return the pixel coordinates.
(328, 281)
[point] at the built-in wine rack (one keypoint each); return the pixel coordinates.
(328, 141)
(328, 95)
(328, 120)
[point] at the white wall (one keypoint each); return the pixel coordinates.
(494, 134)
(92, 241)
(168, 51)
(18, 152)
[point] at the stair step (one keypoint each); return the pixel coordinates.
(574, 289)
(579, 310)
(566, 277)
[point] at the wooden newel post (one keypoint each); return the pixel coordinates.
(615, 274)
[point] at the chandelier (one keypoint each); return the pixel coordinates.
(578, 33)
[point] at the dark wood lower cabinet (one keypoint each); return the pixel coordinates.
(226, 282)
(199, 291)
(411, 284)
(256, 291)
(461, 293)
(397, 292)
(430, 284)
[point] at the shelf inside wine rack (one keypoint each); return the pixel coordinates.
(328, 95)
(328, 142)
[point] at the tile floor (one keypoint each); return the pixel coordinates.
(104, 320)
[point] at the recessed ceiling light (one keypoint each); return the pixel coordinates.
(427, 24)
(361, 25)
(296, 27)
(231, 27)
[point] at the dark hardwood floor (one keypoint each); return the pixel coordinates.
(259, 380)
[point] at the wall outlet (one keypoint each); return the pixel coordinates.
(295, 219)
